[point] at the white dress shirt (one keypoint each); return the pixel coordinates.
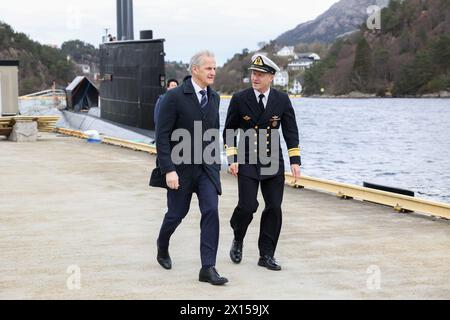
(266, 96)
(197, 89)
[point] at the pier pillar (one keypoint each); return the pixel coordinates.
(24, 131)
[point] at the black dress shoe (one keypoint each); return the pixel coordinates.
(164, 258)
(210, 275)
(236, 251)
(269, 263)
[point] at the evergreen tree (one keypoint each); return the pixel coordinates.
(362, 65)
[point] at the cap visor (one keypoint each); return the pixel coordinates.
(258, 69)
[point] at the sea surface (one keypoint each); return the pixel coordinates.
(402, 143)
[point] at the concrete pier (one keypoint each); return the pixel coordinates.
(68, 206)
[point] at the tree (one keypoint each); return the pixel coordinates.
(415, 75)
(39, 64)
(381, 62)
(80, 51)
(362, 65)
(313, 76)
(440, 53)
(313, 83)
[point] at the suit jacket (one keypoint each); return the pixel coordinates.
(180, 109)
(244, 113)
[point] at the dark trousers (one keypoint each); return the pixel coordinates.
(271, 219)
(178, 203)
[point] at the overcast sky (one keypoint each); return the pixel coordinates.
(223, 26)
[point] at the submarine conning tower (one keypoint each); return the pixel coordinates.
(132, 73)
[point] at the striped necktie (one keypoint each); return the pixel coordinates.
(204, 101)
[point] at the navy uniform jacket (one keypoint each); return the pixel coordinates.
(244, 113)
(180, 108)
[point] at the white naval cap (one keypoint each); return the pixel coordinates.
(263, 64)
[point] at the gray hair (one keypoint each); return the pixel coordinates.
(197, 59)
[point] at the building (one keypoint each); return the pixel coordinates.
(308, 55)
(296, 88)
(286, 52)
(300, 64)
(82, 95)
(281, 78)
(9, 87)
(85, 68)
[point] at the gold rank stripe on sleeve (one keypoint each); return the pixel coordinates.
(232, 152)
(294, 152)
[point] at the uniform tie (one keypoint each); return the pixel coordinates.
(204, 101)
(261, 103)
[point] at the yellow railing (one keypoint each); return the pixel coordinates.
(399, 202)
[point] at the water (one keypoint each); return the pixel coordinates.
(403, 143)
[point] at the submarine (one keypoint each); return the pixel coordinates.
(132, 73)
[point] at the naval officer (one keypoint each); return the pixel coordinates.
(260, 111)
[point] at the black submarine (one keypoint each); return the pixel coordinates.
(132, 73)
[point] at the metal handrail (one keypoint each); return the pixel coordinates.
(48, 93)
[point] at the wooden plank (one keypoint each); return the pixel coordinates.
(129, 144)
(5, 131)
(45, 123)
(73, 133)
(5, 122)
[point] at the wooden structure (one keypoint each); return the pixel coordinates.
(45, 123)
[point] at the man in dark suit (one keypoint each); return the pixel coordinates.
(171, 84)
(190, 109)
(259, 112)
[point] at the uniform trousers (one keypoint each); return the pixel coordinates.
(271, 219)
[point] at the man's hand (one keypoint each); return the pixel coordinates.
(172, 180)
(295, 168)
(234, 169)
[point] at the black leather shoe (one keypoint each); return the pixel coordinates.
(210, 275)
(236, 251)
(164, 258)
(269, 263)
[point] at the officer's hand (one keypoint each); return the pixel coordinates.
(234, 169)
(172, 180)
(295, 168)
